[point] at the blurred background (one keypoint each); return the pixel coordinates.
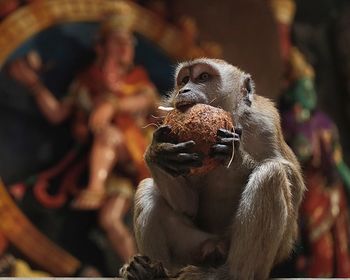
(57, 58)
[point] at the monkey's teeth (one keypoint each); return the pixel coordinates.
(163, 108)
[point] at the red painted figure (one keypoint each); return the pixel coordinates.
(112, 99)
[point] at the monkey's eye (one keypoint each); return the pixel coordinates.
(203, 77)
(185, 80)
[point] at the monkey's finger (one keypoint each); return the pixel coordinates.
(178, 168)
(139, 268)
(229, 141)
(225, 141)
(159, 271)
(175, 148)
(224, 133)
(220, 150)
(161, 133)
(236, 136)
(137, 271)
(165, 150)
(237, 142)
(144, 260)
(185, 157)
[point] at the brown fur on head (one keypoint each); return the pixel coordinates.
(211, 81)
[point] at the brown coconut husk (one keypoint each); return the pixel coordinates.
(199, 123)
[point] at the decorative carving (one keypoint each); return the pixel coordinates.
(14, 225)
(38, 15)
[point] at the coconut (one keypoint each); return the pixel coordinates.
(199, 123)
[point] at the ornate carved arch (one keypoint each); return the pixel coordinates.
(39, 15)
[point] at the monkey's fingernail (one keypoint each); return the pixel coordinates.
(190, 143)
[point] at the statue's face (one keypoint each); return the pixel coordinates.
(120, 45)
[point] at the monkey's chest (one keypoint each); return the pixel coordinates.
(215, 218)
(218, 203)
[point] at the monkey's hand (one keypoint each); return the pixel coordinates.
(174, 158)
(226, 141)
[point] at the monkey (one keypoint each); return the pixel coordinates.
(233, 222)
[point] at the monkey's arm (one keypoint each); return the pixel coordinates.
(169, 163)
(260, 222)
(297, 188)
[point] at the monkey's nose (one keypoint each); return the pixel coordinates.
(184, 90)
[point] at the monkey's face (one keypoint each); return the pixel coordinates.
(196, 83)
(211, 81)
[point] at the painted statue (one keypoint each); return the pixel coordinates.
(324, 212)
(109, 105)
(324, 243)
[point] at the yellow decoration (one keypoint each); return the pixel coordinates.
(17, 228)
(338, 154)
(22, 269)
(121, 20)
(284, 10)
(300, 67)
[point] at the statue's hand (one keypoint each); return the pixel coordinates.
(101, 117)
(22, 72)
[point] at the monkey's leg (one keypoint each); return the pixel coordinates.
(163, 234)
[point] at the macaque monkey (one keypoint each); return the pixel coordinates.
(233, 222)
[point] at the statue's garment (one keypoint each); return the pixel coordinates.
(69, 172)
(135, 82)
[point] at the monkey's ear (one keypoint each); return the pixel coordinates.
(248, 89)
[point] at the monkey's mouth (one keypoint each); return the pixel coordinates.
(184, 104)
